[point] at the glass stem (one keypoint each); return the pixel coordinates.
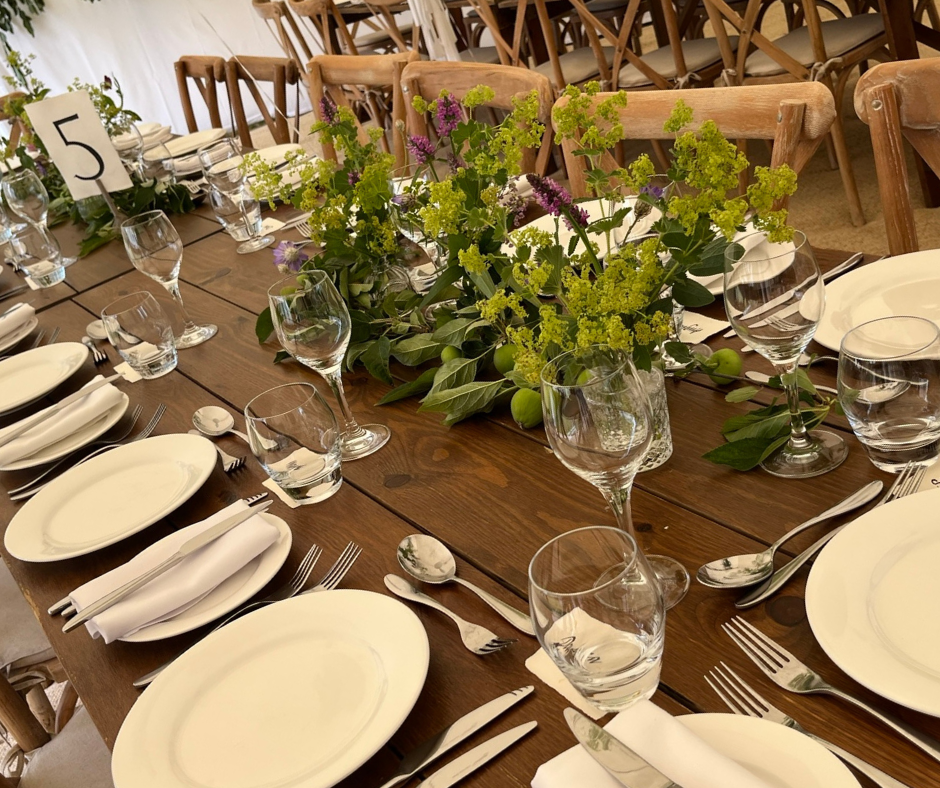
(351, 428)
(174, 290)
(799, 437)
(619, 501)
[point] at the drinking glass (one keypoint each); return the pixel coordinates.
(313, 325)
(598, 612)
(889, 388)
(141, 332)
(233, 210)
(26, 196)
(598, 421)
(157, 162)
(294, 435)
(222, 167)
(155, 249)
(130, 147)
(37, 253)
(423, 267)
(774, 298)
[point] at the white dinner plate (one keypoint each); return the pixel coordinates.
(228, 595)
(296, 695)
(781, 757)
(715, 284)
(29, 375)
(866, 600)
(12, 338)
(74, 441)
(904, 285)
(190, 143)
(110, 497)
(276, 154)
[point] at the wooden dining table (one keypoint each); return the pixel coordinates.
(492, 492)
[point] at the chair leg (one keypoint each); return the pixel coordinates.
(847, 172)
(831, 153)
(661, 156)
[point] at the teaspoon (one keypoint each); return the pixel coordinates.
(215, 421)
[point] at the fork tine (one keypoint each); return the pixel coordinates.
(351, 555)
(328, 578)
(746, 691)
(736, 691)
(753, 651)
(713, 681)
(306, 567)
(775, 649)
(914, 486)
(900, 479)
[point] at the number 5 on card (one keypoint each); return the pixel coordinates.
(78, 144)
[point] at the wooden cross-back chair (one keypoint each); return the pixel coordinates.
(796, 117)
(824, 52)
(329, 28)
(509, 53)
(285, 30)
(575, 66)
(279, 72)
(205, 73)
(336, 75)
(428, 79)
(16, 125)
(899, 101)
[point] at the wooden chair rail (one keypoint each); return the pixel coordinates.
(205, 73)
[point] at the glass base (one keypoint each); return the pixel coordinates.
(196, 336)
(255, 244)
(370, 439)
(826, 452)
(673, 578)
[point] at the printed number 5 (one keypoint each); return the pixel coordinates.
(100, 171)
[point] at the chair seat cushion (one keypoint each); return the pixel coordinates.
(380, 37)
(577, 66)
(840, 36)
(480, 55)
(597, 6)
(77, 757)
(700, 53)
(22, 641)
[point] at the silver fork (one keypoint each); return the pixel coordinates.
(55, 335)
(98, 356)
(786, 671)
(741, 699)
(34, 344)
(290, 589)
(477, 639)
(304, 230)
(337, 572)
(907, 482)
(229, 463)
(144, 433)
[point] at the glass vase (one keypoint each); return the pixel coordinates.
(654, 382)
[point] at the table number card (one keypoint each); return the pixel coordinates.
(78, 143)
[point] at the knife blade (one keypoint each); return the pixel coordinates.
(12, 292)
(187, 548)
(618, 759)
(28, 424)
(472, 760)
(453, 734)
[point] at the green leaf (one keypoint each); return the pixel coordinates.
(463, 401)
(680, 352)
(281, 355)
(447, 278)
(375, 359)
(742, 394)
(768, 428)
(417, 386)
(690, 293)
(453, 373)
(415, 350)
(455, 331)
(483, 282)
(712, 260)
(264, 326)
(353, 352)
(741, 455)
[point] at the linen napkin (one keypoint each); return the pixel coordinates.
(698, 328)
(182, 586)
(660, 739)
(70, 420)
(14, 318)
(542, 666)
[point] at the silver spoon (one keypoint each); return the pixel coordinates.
(747, 570)
(428, 560)
(215, 421)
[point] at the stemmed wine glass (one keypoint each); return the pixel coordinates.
(27, 197)
(314, 326)
(222, 167)
(130, 147)
(774, 298)
(599, 424)
(155, 249)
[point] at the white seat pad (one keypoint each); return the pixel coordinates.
(76, 758)
(699, 54)
(21, 638)
(577, 66)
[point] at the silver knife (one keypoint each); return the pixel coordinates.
(28, 424)
(455, 733)
(472, 760)
(187, 548)
(623, 763)
(13, 292)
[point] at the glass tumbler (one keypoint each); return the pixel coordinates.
(294, 435)
(599, 614)
(38, 255)
(142, 333)
(889, 388)
(239, 213)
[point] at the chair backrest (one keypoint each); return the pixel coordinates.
(284, 27)
(429, 78)
(384, 19)
(205, 73)
(336, 75)
(279, 72)
(316, 14)
(556, 47)
(16, 125)
(510, 53)
(796, 116)
(897, 101)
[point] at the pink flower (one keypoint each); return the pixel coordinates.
(448, 114)
(421, 148)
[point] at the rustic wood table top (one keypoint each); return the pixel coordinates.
(492, 492)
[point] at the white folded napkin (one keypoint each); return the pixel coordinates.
(182, 586)
(69, 420)
(16, 317)
(758, 247)
(661, 740)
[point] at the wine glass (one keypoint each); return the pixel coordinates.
(157, 162)
(26, 196)
(598, 422)
(314, 326)
(222, 167)
(774, 297)
(129, 145)
(155, 249)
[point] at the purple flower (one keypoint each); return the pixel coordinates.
(578, 215)
(552, 196)
(514, 203)
(421, 148)
(288, 256)
(448, 114)
(455, 163)
(328, 110)
(353, 177)
(41, 169)
(107, 82)
(656, 192)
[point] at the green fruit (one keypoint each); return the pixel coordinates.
(303, 280)
(504, 359)
(725, 361)
(583, 378)
(450, 353)
(526, 407)
(286, 291)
